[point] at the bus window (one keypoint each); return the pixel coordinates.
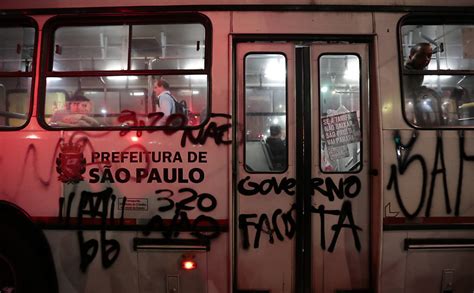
(438, 74)
(110, 72)
(266, 148)
(121, 101)
(170, 46)
(88, 48)
(16, 49)
(16, 60)
(340, 113)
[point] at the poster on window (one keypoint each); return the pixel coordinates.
(339, 131)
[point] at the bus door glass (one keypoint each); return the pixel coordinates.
(265, 202)
(272, 171)
(340, 203)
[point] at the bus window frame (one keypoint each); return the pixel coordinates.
(61, 21)
(429, 19)
(13, 22)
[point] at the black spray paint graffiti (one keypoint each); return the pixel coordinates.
(264, 225)
(405, 161)
(176, 120)
(109, 218)
(349, 187)
(344, 213)
(101, 205)
(33, 156)
(209, 130)
(462, 157)
(250, 188)
(90, 203)
(94, 205)
(205, 203)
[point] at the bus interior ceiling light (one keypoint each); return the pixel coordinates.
(121, 78)
(275, 70)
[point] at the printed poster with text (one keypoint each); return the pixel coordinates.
(339, 131)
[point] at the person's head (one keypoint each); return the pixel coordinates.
(275, 130)
(160, 85)
(79, 104)
(420, 56)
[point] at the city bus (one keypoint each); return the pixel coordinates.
(247, 147)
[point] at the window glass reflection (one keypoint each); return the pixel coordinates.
(340, 113)
(153, 47)
(14, 101)
(123, 101)
(266, 147)
(88, 48)
(451, 45)
(168, 46)
(435, 96)
(16, 49)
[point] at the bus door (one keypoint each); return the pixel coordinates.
(302, 190)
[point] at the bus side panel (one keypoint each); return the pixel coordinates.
(29, 178)
(104, 259)
(416, 199)
(302, 23)
(120, 277)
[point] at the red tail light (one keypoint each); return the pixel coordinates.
(188, 264)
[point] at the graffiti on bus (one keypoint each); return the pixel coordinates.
(408, 161)
(263, 225)
(204, 202)
(89, 205)
(96, 209)
(197, 136)
(346, 189)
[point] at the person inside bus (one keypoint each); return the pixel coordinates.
(76, 114)
(421, 103)
(419, 59)
(277, 147)
(164, 100)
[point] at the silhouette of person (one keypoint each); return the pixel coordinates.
(419, 59)
(421, 103)
(277, 147)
